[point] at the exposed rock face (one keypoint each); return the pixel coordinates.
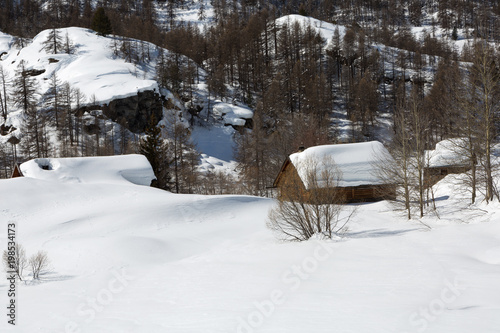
(135, 112)
(6, 129)
(33, 72)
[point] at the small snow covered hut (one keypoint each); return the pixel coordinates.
(449, 157)
(355, 164)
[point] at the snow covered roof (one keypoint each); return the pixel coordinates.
(121, 169)
(355, 161)
(449, 152)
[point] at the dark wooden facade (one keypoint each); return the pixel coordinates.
(16, 172)
(432, 175)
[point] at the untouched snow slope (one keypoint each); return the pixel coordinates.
(128, 258)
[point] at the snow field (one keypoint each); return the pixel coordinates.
(130, 258)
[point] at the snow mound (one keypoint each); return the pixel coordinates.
(123, 169)
(233, 114)
(355, 161)
(448, 152)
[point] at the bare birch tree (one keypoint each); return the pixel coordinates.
(485, 93)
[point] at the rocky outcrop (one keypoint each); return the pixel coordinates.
(241, 129)
(33, 72)
(135, 112)
(6, 129)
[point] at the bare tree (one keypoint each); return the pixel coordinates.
(309, 204)
(39, 264)
(184, 156)
(418, 126)
(484, 80)
(15, 260)
(24, 88)
(54, 43)
(398, 167)
(69, 47)
(53, 99)
(3, 94)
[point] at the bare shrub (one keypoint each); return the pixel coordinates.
(39, 264)
(310, 202)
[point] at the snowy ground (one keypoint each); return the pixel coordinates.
(129, 258)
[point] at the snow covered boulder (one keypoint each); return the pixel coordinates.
(234, 115)
(121, 169)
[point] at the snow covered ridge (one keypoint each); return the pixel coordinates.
(92, 67)
(325, 29)
(356, 162)
(120, 169)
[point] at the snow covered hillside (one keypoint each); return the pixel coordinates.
(97, 69)
(129, 258)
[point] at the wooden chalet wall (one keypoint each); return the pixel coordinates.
(16, 172)
(432, 175)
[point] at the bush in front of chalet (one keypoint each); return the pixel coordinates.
(310, 204)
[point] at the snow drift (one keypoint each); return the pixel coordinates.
(118, 169)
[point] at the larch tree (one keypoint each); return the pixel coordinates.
(23, 88)
(3, 93)
(53, 99)
(183, 154)
(53, 44)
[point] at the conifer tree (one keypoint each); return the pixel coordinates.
(153, 146)
(101, 23)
